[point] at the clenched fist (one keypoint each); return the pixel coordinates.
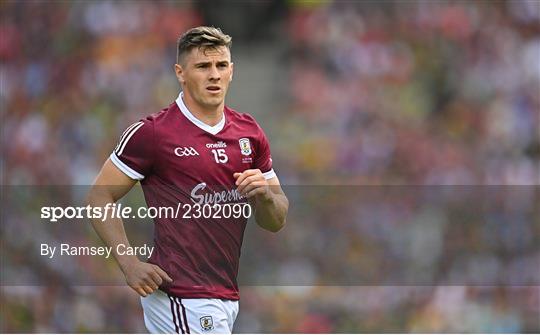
(251, 183)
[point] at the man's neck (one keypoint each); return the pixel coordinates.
(210, 116)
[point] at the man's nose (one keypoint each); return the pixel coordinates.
(214, 73)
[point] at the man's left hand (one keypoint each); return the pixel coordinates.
(251, 183)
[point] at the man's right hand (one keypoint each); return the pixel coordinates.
(110, 185)
(145, 278)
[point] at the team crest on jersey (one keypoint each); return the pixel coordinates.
(207, 323)
(245, 146)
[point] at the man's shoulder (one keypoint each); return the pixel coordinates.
(242, 119)
(161, 118)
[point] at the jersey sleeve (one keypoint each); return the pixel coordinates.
(134, 152)
(263, 159)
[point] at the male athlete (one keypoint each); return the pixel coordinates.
(196, 151)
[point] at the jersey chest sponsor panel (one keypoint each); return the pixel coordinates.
(180, 162)
(192, 156)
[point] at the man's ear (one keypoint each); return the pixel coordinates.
(179, 72)
(232, 71)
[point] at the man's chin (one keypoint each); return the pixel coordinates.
(214, 102)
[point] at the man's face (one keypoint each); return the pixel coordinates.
(205, 74)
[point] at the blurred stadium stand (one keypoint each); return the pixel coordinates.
(349, 93)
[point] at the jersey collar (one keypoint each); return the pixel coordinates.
(210, 129)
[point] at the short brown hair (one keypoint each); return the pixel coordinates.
(201, 37)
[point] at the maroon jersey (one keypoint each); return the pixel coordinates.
(179, 159)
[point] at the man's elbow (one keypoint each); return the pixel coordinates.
(98, 196)
(91, 197)
(274, 228)
(277, 223)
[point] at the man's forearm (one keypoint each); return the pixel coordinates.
(270, 213)
(111, 230)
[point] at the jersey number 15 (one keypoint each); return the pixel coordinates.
(220, 156)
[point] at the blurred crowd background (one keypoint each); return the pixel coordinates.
(368, 93)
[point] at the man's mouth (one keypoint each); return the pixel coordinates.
(213, 88)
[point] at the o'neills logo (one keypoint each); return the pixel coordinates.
(217, 145)
(198, 195)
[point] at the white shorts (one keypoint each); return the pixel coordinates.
(167, 314)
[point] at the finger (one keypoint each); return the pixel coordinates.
(243, 184)
(236, 175)
(257, 183)
(156, 278)
(139, 291)
(240, 178)
(246, 174)
(250, 180)
(245, 189)
(163, 274)
(144, 286)
(151, 283)
(147, 289)
(256, 191)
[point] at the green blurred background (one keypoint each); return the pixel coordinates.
(349, 93)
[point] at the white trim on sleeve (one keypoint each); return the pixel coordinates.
(125, 138)
(125, 169)
(270, 174)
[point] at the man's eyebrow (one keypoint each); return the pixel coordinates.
(207, 63)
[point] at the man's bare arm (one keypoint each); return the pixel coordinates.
(271, 203)
(110, 185)
(271, 212)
